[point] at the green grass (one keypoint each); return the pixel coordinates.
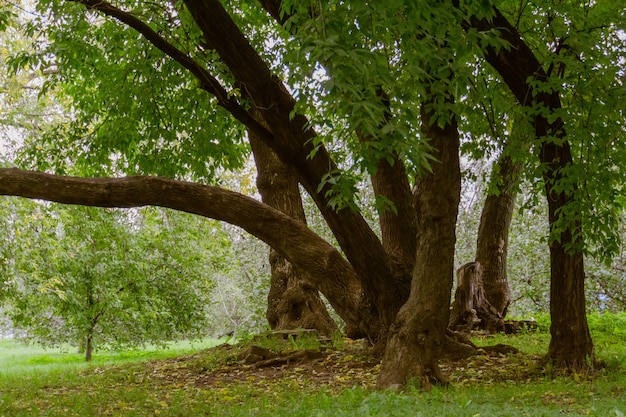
(37, 382)
(17, 359)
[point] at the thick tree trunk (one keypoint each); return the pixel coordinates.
(289, 135)
(493, 232)
(418, 336)
(292, 301)
(571, 343)
(471, 308)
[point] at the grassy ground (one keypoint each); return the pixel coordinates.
(214, 382)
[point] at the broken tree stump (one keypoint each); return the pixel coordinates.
(471, 308)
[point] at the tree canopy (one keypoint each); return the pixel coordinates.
(342, 93)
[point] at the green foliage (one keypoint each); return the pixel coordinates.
(123, 278)
(133, 109)
(24, 109)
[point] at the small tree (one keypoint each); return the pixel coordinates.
(105, 277)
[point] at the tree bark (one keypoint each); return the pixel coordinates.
(471, 308)
(292, 301)
(418, 336)
(290, 137)
(493, 232)
(570, 343)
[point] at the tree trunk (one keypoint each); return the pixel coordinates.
(417, 338)
(493, 232)
(292, 139)
(88, 347)
(571, 343)
(471, 308)
(292, 301)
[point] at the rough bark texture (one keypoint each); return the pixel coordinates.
(571, 343)
(493, 233)
(291, 139)
(292, 301)
(418, 336)
(471, 308)
(289, 135)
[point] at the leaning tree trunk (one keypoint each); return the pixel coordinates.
(571, 343)
(417, 338)
(292, 301)
(493, 232)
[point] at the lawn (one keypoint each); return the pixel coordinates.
(198, 380)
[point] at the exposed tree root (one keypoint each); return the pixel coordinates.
(571, 365)
(261, 357)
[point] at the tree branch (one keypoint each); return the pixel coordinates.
(329, 272)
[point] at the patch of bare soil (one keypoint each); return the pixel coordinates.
(330, 368)
(226, 365)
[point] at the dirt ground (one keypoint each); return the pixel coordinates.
(333, 369)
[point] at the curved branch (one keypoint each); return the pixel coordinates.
(328, 270)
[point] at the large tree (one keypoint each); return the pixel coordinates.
(338, 92)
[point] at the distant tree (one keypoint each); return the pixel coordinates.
(99, 278)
